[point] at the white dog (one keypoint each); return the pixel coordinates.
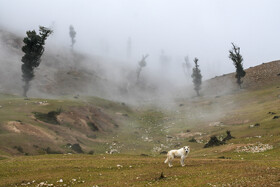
(183, 153)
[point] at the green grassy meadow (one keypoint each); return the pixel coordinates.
(146, 131)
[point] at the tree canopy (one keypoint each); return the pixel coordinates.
(33, 50)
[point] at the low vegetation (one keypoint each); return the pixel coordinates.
(50, 117)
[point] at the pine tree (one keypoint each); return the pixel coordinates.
(33, 49)
(237, 59)
(72, 34)
(197, 77)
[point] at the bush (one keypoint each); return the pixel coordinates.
(193, 140)
(48, 150)
(91, 152)
(213, 142)
(50, 117)
(228, 137)
(77, 148)
(19, 148)
(92, 126)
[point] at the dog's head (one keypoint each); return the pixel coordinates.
(187, 149)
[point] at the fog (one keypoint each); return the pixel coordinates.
(178, 28)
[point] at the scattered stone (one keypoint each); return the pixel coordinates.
(188, 130)
(119, 166)
(112, 151)
(181, 105)
(254, 148)
(60, 180)
(272, 113)
(257, 125)
(275, 117)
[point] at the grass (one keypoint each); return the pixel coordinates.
(132, 170)
(147, 130)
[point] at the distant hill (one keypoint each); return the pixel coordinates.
(256, 77)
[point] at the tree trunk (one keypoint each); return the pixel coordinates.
(25, 88)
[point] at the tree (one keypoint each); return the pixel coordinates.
(33, 49)
(141, 64)
(196, 75)
(237, 59)
(187, 66)
(72, 34)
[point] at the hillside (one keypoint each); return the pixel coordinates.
(259, 76)
(133, 137)
(140, 136)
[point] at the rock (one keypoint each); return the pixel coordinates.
(60, 180)
(119, 166)
(272, 113)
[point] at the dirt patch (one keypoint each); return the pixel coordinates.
(188, 134)
(19, 127)
(83, 118)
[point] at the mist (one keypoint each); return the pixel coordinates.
(176, 29)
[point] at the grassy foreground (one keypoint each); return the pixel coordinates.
(131, 170)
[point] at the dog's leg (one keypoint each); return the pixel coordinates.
(166, 160)
(182, 161)
(170, 161)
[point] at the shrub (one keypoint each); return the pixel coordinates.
(213, 142)
(50, 117)
(77, 148)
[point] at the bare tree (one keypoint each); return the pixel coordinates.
(72, 34)
(187, 67)
(141, 64)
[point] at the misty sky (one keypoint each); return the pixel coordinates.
(197, 28)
